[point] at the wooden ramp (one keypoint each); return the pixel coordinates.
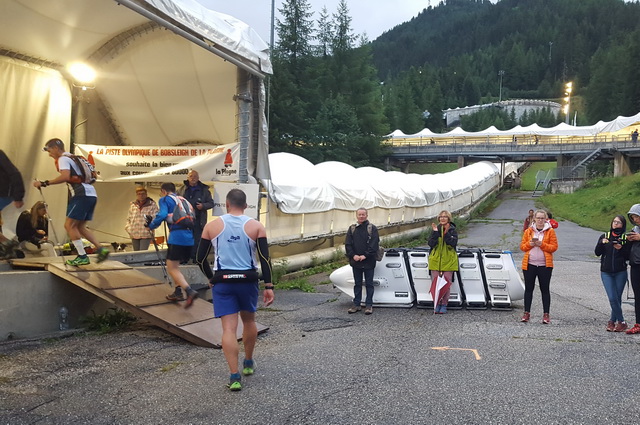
(142, 296)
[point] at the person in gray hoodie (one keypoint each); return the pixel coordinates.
(634, 262)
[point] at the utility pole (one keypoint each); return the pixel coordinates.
(501, 74)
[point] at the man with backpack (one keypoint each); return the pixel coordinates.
(79, 176)
(179, 215)
(361, 247)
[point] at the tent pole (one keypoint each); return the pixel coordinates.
(244, 102)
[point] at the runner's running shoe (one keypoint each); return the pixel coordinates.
(191, 296)
(103, 253)
(249, 367)
(80, 260)
(175, 296)
(234, 382)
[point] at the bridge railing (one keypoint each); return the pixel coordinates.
(513, 142)
(572, 146)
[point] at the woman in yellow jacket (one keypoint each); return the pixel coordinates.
(539, 242)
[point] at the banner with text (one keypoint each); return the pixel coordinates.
(163, 163)
(252, 191)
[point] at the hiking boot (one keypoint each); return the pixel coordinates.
(621, 327)
(634, 330)
(191, 296)
(103, 254)
(80, 260)
(175, 296)
(354, 309)
(525, 317)
(249, 367)
(546, 319)
(235, 383)
(611, 326)
(368, 310)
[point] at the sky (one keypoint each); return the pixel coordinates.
(372, 17)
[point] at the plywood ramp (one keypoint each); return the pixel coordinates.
(144, 297)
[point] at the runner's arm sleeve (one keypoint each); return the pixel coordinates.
(265, 261)
(204, 247)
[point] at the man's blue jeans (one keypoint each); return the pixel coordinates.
(357, 289)
(614, 286)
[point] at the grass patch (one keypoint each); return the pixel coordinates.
(326, 267)
(300, 283)
(529, 176)
(595, 205)
(409, 242)
(279, 269)
(112, 320)
(486, 206)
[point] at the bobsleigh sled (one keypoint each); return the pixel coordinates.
(486, 278)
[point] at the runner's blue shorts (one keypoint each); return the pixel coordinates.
(231, 298)
(81, 207)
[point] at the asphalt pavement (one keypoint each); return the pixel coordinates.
(319, 365)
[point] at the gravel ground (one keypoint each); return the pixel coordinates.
(319, 365)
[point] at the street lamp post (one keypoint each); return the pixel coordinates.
(501, 74)
(568, 88)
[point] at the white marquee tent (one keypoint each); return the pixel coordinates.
(169, 72)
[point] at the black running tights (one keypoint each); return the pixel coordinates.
(544, 279)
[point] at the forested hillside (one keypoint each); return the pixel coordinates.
(333, 93)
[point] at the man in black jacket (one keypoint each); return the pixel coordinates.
(361, 246)
(11, 190)
(198, 195)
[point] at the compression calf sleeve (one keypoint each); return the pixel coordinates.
(265, 260)
(204, 247)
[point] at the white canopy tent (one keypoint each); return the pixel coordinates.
(169, 72)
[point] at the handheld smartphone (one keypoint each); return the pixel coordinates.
(534, 239)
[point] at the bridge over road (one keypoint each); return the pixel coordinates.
(566, 153)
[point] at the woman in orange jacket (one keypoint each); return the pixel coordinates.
(539, 242)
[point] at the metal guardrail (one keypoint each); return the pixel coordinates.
(461, 148)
